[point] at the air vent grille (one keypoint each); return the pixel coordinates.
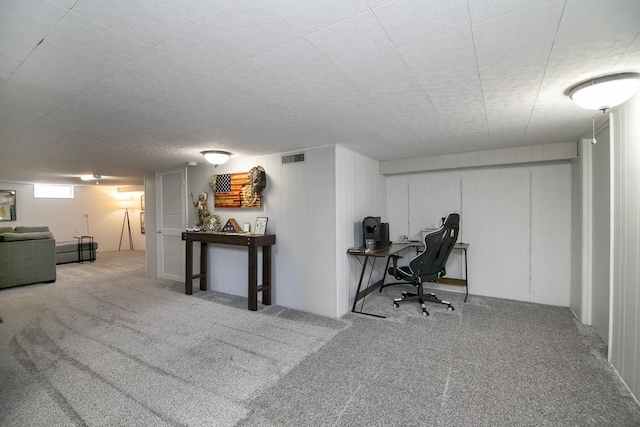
(293, 158)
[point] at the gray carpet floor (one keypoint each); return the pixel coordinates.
(105, 345)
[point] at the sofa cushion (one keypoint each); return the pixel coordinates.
(6, 230)
(72, 246)
(66, 247)
(72, 252)
(28, 261)
(37, 235)
(30, 229)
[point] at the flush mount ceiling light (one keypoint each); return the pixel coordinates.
(216, 157)
(91, 177)
(603, 93)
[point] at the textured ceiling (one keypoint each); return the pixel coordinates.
(121, 87)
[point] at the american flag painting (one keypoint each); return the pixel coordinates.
(233, 190)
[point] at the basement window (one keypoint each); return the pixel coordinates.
(47, 191)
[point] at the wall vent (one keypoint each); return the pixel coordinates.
(293, 158)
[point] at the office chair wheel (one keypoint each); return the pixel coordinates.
(425, 313)
(450, 308)
(396, 305)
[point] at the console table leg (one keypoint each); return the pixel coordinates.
(266, 275)
(253, 278)
(188, 274)
(203, 266)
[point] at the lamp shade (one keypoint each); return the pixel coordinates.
(603, 93)
(216, 157)
(126, 204)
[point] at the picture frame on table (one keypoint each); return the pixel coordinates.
(261, 225)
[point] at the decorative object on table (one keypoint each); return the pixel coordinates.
(126, 205)
(239, 190)
(251, 193)
(7, 205)
(261, 225)
(202, 207)
(246, 227)
(212, 223)
(232, 226)
(142, 223)
(370, 245)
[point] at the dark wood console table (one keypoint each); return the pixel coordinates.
(252, 242)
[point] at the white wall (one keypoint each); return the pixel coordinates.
(601, 234)
(516, 219)
(624, 343)
(314, 207)
(299, 201)
(591, 232)
(151, 242)
(65, 217)
(577, 241)
(360, 192)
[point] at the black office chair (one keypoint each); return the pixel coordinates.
(429, 265)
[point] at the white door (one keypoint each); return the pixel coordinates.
(171, 187)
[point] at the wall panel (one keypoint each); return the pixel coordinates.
(601, 237)
(516, 219)
(551, 235)
(624, 348)
(360, 192)
(300, 204)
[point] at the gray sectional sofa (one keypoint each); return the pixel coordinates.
(70, 252)
(27, 255)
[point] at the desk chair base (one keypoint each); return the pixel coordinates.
(421, 298)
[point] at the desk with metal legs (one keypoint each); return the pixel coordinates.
(377, 253)
(387, 253)
(460, 282)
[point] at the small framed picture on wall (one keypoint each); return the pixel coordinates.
(261, 225)
(142, 224)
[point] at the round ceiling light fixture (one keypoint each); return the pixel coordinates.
(216, 157)
(606, 92)
(91, 177)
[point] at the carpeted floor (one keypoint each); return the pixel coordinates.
(104, 345)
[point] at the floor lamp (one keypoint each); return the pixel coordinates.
(126, 204)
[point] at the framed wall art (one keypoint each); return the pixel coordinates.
(239, 190)
(7, 205)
